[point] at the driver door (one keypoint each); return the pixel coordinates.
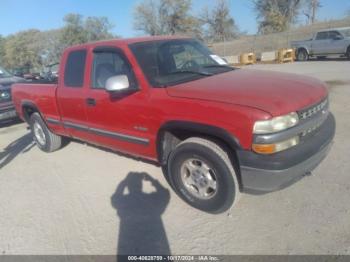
(115, 118)
(321, 44)
(338, 44)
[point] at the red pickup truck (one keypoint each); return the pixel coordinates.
(216, 130)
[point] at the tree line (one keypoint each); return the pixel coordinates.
(156, 17)
(169, 17)
(278, 15)
(36, 49)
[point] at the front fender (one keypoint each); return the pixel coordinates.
(196, 128)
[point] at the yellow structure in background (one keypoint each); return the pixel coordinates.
(286, 55)
(247, 59)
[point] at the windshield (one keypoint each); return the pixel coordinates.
(4, 73)
(172, 62)
(345, 33)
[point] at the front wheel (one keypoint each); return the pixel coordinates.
(202, 174)
(302, 55)
(348, 53)
(43, 137)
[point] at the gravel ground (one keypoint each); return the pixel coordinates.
(66, 202)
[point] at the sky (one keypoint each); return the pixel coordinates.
(17, 15)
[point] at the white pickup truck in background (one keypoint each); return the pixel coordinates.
(324, 43)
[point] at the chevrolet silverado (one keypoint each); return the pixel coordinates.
(215, 130)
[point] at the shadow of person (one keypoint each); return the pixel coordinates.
(141, 230)
(21, 145)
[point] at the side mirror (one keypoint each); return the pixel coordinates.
(117, 83)
(338, 37)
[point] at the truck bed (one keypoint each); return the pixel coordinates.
(42, 95)
(300, 43)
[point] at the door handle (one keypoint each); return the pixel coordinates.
(90, 101)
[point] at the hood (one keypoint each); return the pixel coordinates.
(273, 92)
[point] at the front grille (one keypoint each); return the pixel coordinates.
(8, 109)
(313, 110)
(5, 95)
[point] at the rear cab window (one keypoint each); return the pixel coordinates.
(75, 68)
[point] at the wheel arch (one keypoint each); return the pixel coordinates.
(303, 48)
(173, 132)
(347, 50)
(28, 108)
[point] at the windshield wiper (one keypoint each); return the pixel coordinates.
(203, 73)
(222, 66)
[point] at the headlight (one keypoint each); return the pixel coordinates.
(4, 95)
(276, 124)
(267, 149)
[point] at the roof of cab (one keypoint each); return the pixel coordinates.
(334, 29)
(127, 41)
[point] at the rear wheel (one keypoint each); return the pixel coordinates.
(202, 174)
(348, 53)
(302, 55)
(43, 137)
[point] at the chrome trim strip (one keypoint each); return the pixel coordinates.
(128, 138)
(75, 126)
(101, 132)
(53, 121)
(291, 132)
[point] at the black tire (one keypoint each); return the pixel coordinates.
(213, 156)
(348, 53)
(51, 142)
(302, 55)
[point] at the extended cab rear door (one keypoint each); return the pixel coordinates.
(71, 96)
